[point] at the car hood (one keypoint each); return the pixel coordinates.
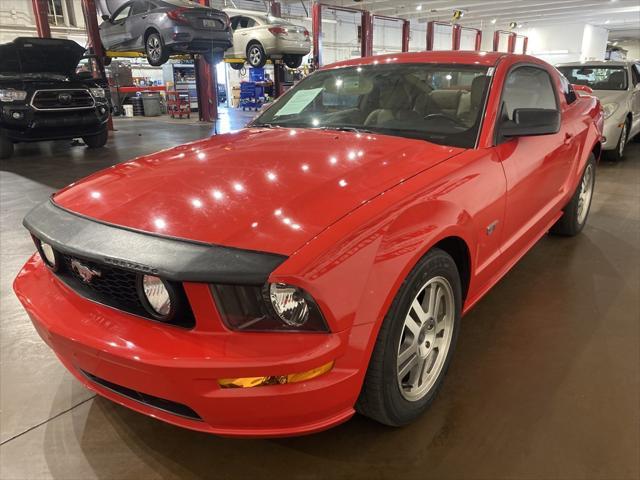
(40, 55)
(611, 96)
(258, 189)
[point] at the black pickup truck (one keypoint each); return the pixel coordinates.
(43, 98)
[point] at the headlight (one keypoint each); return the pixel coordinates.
(273, 307)
(156, 297)
(11, 95)
(97, 92)
(609, 109)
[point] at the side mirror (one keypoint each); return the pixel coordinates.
(106, 18)
(84, 75)
(531, 121)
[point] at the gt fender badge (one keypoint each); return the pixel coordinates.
(491, 228)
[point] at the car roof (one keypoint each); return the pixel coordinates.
(604, 63)
(487, 59)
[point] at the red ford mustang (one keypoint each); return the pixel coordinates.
(275, 280)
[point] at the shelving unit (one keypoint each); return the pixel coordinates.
(183, 77)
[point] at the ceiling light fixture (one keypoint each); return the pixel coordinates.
(493, 21)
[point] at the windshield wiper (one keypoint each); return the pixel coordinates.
(347, 129)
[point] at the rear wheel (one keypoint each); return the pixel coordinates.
(575, 214)
(155, 49)
(236, 65)
(256, 56)
(97, 141)
(6, 145)
(415, 343)
(292, 61)
(617, 154)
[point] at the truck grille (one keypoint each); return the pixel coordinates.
(62, 99)
(116, 287)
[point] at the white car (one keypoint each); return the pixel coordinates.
(260, 36)
(617, 85)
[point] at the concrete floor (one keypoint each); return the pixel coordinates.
(545, 383)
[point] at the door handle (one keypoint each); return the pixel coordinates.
(567, 138)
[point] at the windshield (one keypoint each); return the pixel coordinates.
(439, 103)
(597, 77)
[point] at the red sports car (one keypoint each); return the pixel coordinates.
(275, 280)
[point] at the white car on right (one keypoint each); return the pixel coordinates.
(617, 85)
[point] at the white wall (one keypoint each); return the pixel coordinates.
(567, 42)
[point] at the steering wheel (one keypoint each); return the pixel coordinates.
(441, 116)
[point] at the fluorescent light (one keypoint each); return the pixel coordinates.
(493, 21)
(419, 7)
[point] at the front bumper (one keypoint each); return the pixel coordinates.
(181, 367)
(35, 126)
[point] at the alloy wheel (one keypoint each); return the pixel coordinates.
(586, 193)
(425, 339)
(255, 57)
(154, 48)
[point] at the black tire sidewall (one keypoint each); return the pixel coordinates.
(96, 141)
(292, 61)
(6, 146)
(164, 56)
(435, 263)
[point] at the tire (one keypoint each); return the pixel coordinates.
(292, 61)
(577, 210)
(236, 66)
(386, 394)
(155, 49)
(6, 146)
(97, 141)
(617, 153)
(256, 57)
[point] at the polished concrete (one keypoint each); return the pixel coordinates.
(545, 383)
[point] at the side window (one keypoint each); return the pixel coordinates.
(122, 14)
(234, 22)
(250, 23)
(635, 74)
(243, 23)
(567, 89)
(139, 8)
(527, 87)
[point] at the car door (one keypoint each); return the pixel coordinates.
(136, 24)
(537, 168)
(116, 33)
(241, 35)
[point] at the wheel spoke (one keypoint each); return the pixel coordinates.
(410, 366)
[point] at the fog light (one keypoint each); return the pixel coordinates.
(248, 382)
(102, 110)
(17, 115)
(49, 255)
(156, 297)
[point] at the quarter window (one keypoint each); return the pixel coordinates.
(122, 14)
(527, 87)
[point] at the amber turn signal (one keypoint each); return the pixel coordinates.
(248, 382)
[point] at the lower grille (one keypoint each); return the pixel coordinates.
(62, 99)
(169, 406)
(115, 287)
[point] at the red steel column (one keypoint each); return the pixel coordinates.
(456, 35)
(41, 14)
(430, 34)
(406, 35)
(366, 49)
(316, 27)
(525, 44)
(512, 43)
(478, 45)
(206, 86)
(89, 12)
(276, 9)
(496, 40)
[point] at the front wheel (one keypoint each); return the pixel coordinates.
(617, 153)
(97, 141)
(155, 49)
(575, 214)
(6, 146)
(292, 61)
(415, 343)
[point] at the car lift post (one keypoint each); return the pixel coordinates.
(89, 12)
(406, 29)
(275, 9)
(206, 87)
(41, 14)
(366, 44)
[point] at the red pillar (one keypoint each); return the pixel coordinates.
(430, 34)
(496, 40)
(456, 35)
(525, 44)
(406, 35)
(316, 27)
(41, 14)
(206, 86)
(366, 48)
(276, 9)
(478, 45)
(512, 43)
